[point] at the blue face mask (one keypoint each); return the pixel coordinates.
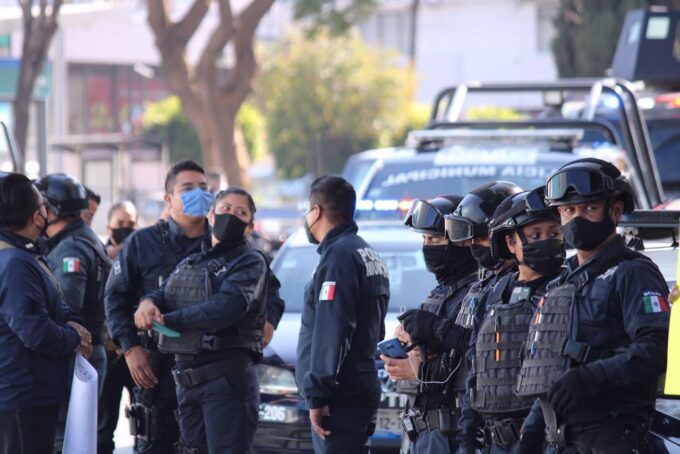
(196, 202)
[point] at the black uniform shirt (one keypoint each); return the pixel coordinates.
(342, 321)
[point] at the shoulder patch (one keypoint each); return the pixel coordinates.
(654, 303)
(70, 265)
(327, 291)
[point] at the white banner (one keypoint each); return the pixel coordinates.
(80, 436)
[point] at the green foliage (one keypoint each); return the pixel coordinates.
(254, 128)
(165, 121)
(328, 15)
(329, 97)
(587, 33)
(417, 117)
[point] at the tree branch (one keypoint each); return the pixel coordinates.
(158, 19)
(220, 37)
(239, 84)
(183, 30)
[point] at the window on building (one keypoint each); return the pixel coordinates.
(390, 29)
(545, 27)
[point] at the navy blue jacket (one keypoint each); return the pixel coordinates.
(77, 258)
(342, 322)
(141, 266)
(623, 315)
(35, 341)
(237, 287)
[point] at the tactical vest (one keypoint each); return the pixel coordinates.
(433, 303)
(550, 347)
(498, 347)
(189, 285)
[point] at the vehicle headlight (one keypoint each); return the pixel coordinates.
(276, 380)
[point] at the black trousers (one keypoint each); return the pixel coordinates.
(613, 439)
(28, 431)
(117, 378)
(220, 415)
(164, 399)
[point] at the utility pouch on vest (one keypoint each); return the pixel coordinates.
(544, 359)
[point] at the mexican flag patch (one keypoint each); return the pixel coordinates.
(70, 265)
(655, 303)
(327, 291)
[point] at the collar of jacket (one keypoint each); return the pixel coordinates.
(19, 241)
(610, 250)
(65, 232)
(335, 233)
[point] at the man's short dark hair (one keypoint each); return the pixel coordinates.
(235, 190)
(19, 199)
(181, 166)
(91, 195)
(335, 196)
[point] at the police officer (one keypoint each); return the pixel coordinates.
(216, 299)
(38, 331)
(598, 342)
(76, 257)
(470, 222)
(432, 415)
(93, 202)
(342, 322)
(148, 257)
(527, 232)
(122, 220)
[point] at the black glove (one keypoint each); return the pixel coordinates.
(573, 390)
(421, 326)
(530, 443)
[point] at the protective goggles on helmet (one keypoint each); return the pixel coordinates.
(462, 229)
(424, 216)
(583, 181)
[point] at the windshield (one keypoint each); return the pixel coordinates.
(396, 182)
(409, 280)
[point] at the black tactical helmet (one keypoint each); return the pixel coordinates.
(514, 212)
(471, 218)
(428, 216)
(588, 179)
(63, 194)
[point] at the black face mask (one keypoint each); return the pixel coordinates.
(229, 229)
(587, 235)
(46, 224)
(482, 255)
(118, 235)
(545, 256)
(448, 262)
(308, 232)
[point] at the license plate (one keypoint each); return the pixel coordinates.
(276, 413)
(388, 422)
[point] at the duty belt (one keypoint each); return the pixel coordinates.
(503, 432)
(442, 419)
(197, 375)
